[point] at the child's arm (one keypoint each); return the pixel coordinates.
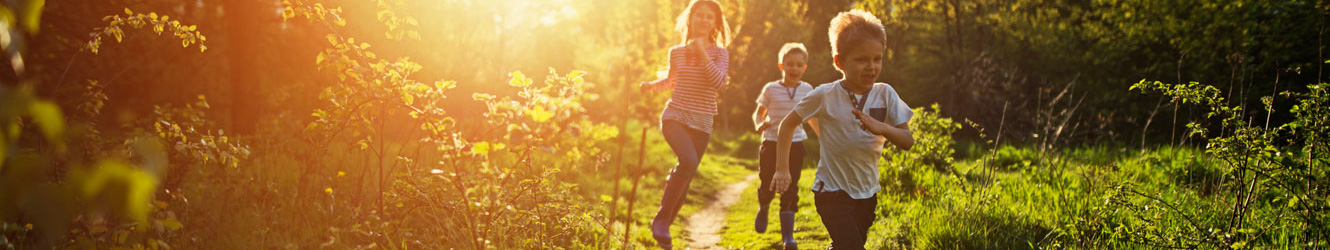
(699, 47)
(717, 69)
(898, 135)
(780, 181)
(812, 123)
(677, 60)
(758, 116)
(760, 113)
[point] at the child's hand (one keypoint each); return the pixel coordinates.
(763, 127)
(645, 87)
(871, 125)
(780, 181)
(699, 49)
(697, 44)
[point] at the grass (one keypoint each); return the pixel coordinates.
(1056, 202)
(808, 232)
(1067, 198)
(724, 163)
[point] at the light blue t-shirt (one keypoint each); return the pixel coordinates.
(849, 154)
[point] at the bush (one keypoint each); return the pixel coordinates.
(933, 149)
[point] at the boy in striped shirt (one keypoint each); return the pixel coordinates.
(777, 100)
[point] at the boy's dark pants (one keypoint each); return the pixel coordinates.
(789, 200)
(847, 219)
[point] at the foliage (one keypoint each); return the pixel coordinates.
(504, 185)
(49, 188)
(497, 180)
(933, 149)
(116, 24)
(976, 56)
(1261, 173)
(189, 130)
(1011, 158)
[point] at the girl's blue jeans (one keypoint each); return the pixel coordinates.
(689, 145)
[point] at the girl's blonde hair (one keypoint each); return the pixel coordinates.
(720, 35)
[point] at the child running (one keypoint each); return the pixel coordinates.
(856, 116)
(776, 100)
(698, 69)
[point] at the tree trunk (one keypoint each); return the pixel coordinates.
(244, 18)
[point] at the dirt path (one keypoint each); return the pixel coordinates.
(704, 226)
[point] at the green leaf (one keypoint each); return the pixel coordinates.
(449, 84)
(606, 133)
(288, 13)
(481, 148)
(47, 116)
(518, 79)
(483, 97)
(138, 186)
(32, 15)
(172, 224)
(576, 76)
(539, 114)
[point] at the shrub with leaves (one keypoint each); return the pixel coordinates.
(496, 182)
(89, 197)
(501, 184)
(116, 24)
(1273, 190)
(933, 149)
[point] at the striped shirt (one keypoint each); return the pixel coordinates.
(779, 100)
(695, 86)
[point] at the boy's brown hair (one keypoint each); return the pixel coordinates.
(853, 27)
(791, 48)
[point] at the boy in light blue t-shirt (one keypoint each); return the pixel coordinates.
(855, 117)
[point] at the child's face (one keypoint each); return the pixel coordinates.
(794, 65)
(703, 21)
(862, 63)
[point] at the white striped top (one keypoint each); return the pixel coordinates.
(695, 86)
(779, 100)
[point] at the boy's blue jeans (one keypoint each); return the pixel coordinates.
(689, 145)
